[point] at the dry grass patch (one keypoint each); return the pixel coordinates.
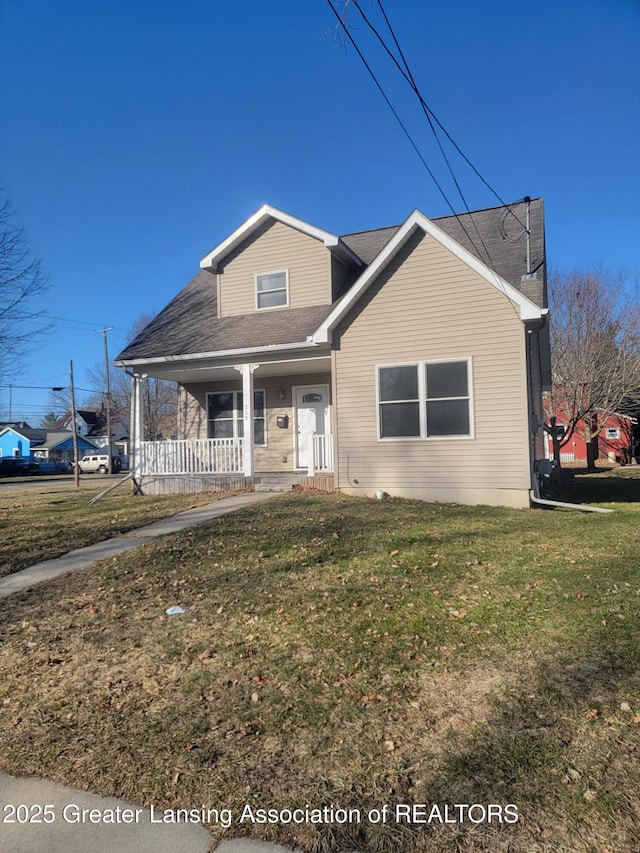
(42, 522)
(354, 653)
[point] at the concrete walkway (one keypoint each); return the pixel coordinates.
(82, 557)
(52, 818)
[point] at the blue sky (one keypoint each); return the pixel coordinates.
(136, 136)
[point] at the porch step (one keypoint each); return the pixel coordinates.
(276, 482)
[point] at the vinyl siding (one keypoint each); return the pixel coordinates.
(273, 248)
(278, 454)
(428, 305)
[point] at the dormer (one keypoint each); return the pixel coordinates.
(275, 262)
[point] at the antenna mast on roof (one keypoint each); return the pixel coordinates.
(527, 201)
(525, 232)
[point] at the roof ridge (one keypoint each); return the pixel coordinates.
(446, 216)
(369, 230)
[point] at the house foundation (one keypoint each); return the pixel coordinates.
(176, 484)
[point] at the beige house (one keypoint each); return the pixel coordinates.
(407, 360)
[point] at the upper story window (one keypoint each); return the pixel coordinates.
(425, 400)
(613, 433)
(272, 290)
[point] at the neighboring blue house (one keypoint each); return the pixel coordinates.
(20, 440)
(58, 446)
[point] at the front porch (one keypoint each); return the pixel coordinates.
(223, 457)
(191, 466)
(239, 425)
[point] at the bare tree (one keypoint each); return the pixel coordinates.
(49, 421)
(21, 284)
(595, 352)
(159, 396)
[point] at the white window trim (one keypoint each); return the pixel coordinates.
(613, 433)
(275, 290)
(237, 420)
(422, 400)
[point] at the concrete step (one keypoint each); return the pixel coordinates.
(273, 487)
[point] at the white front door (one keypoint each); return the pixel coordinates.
(312, 418)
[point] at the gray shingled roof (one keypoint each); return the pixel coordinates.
(503, 234)
(188, 325)
(33, 434)
(493, 235)
(368, 244)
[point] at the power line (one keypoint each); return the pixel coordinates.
(66, 320)
(408, 76)
(428, 113)
(390, 105)
(402, 125)
(410, 79)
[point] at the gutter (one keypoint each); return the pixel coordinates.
(235, 353)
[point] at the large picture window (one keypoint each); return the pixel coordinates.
(224, 415)
(425, 400)
(272, 290)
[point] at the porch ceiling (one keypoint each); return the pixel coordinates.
(205, 372)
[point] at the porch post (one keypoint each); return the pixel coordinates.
(311, 455)
(137, 436)
(247, 416)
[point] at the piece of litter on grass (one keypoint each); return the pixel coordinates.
(174, 611)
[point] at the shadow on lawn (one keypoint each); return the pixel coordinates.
(558, 747)
(604, 486)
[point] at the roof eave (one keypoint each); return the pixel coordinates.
(250, 353)
(331, 241)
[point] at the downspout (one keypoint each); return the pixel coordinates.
(534, 496)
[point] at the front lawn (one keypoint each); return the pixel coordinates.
(40, 521)
(350, 654)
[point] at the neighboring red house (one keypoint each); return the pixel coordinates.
(613, 443)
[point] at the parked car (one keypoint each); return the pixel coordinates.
(98, 463)
(18, 466)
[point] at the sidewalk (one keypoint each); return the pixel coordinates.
(52, 818)
(65, 820)
(82, 557)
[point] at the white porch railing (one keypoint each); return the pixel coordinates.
(322, 457)
(569, 456)
(192, 456)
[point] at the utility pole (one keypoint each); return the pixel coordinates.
(76, 467)
(103, 332)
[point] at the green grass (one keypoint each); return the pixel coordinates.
(42, 521)
(356, 653)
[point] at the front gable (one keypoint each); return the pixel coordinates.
(14, 443)
(417, 224)
(426, 310)
(274, 261)
(274, 251)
